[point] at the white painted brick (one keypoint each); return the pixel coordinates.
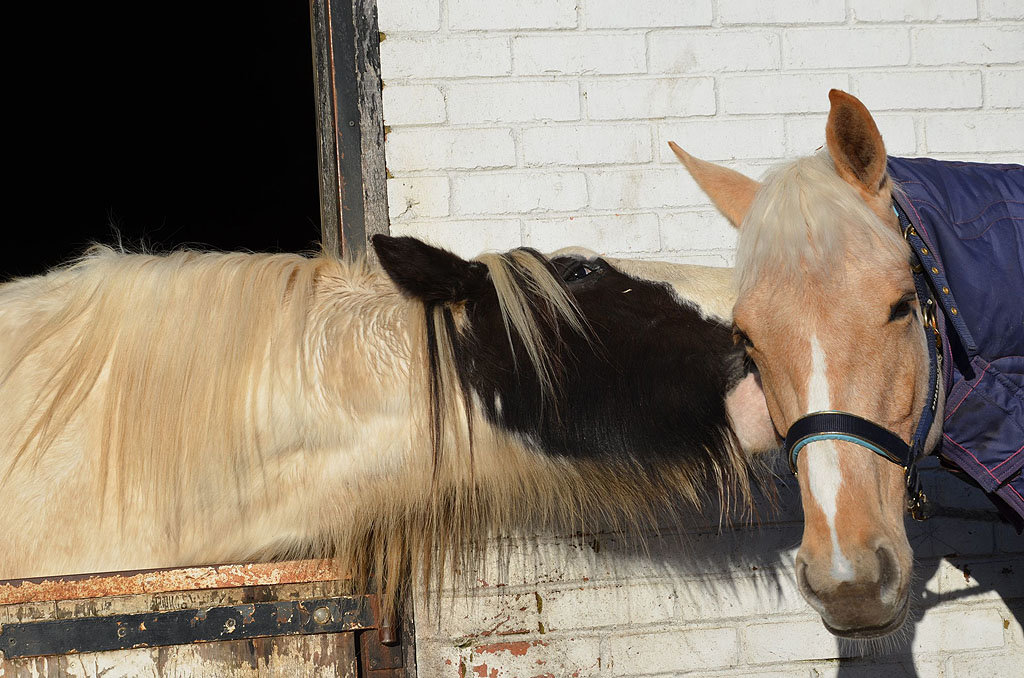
(879, 667)
(675, 650)
(792, 640)
(934, 45)
(413, 104)
(761, 12)
(1002, 9)
(578, 53)
(919, 89)
(1012, 158)
(518, 659)
(432, 148)
(836, 48)
(724, 139)
(484, 615)
(996, 132)
(411, 198)
(544, 656)
(1005, 665)
(661, 98)
(586, 145)
(958, 630)
(609, 605)
(509, 563)
(1005, 89)
(929, 542)
(982, 577)
(721, 259)
(1007, 539)
(796, 93)
(513, 102)
(408, 15)
(570, 559)
(709, 51)
(806, 134)
(913, 10)
(648, 187)
(602, 233)
(487, 14)
(739, 597)
(465, 238)
(681, 231)
(496, 193)
(646, 13)
(440, 58)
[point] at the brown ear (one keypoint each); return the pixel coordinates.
(731, 192)
(855, 145)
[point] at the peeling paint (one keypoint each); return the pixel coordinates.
(102, 585)
(516, 649)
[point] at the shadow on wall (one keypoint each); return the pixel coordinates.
(742, 577)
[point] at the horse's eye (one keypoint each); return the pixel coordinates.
(577, 272)
(901, 309)
(740, 337)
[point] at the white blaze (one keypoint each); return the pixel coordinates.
(823, 473)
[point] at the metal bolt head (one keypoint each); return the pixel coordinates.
(229, 626)
(321, 615)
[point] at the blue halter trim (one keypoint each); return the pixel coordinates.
(835, 425)
(846, 427)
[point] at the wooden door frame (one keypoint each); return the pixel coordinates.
(350, 124)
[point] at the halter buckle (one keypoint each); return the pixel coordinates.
(918, 506)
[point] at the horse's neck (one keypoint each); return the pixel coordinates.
(359, 421)
(335, 414)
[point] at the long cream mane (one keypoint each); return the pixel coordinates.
(791, 226)
(201, 407)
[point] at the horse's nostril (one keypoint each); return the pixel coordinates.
(803, 584)
(888, 574)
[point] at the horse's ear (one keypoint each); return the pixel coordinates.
(731, 192)
(427, 273)
(855, 144)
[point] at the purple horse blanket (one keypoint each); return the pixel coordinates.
(971, 215)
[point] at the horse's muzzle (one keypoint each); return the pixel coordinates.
(871, 603)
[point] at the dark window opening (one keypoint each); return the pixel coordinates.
(160, 126)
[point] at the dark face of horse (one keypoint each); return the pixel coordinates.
(644, 381)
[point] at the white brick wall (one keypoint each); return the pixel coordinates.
(545, 122)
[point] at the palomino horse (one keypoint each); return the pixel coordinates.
(839, 314)
(206, 407)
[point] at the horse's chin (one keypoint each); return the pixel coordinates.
(874, 632)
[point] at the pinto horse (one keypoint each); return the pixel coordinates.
(847, 276)
(200, 408)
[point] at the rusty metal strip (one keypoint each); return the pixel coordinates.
(181, 627)
(67, 587)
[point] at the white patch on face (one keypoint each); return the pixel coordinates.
(823, 473)
(497, 404)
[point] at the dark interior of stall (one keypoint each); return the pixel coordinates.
(155, 126)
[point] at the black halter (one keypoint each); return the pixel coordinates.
(850, 428)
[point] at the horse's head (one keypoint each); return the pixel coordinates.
(583, 362)
(827, 310)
